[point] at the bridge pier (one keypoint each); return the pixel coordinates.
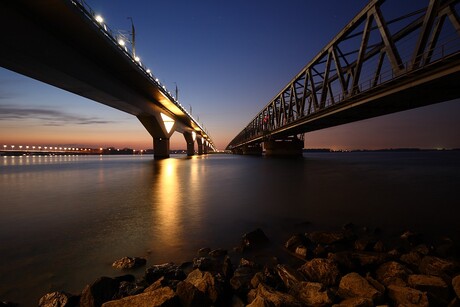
(199, 141)
(160, 148)
(253, 150)
(205, 148)
(289, 147)
(190, 143)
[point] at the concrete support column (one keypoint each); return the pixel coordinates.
(160, 148)
(190, 144)
(253, 150)
(205, 148)
(289, 147)
(199, 141)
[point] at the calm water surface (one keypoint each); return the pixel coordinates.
(64, 220)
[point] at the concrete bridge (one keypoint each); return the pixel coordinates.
(374, 66)
(63, 43)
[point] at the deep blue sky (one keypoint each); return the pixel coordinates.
(229, 59)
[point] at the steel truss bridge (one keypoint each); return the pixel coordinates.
(65, 44)
(374, 66)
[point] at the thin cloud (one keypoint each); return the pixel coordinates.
(49, 117)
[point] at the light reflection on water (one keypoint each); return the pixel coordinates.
(65, 219)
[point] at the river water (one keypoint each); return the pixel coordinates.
(65, 219)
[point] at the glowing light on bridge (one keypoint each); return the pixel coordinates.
(168, 122)
(137, 59)
(194, 135)
(121, 42)
(99, 18)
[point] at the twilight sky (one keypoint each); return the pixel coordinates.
(229, 59)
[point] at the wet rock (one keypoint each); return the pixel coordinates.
(255, 239)
(189, 295)
(363, 244)
(412, 259)
(374, 283)
(56, 299)
(257, 279)
(159, 283)
(202, 263)
(321, 270)
(203, 252)
(366, 259)
(288, 275)
(127, 288)
(411, 237)
(354, 285)
(355, 302)
(454, 303)
(344, 260)
(237, 302)
(218, 253)
(159, 298)
(431, 265)
(168, 270)
(379, 246)
(390, 271)
(301, 251)
(241, 280)
(405, 296)
(422, 249)
(126, 263)
(456, 285)
(319, 251)
(324, 237)
(313, 294)
(99, 292)
(436, 288)
(211, 285)
(266, 296)
(293, 242)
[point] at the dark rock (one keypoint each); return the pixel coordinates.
(218, 253)
(456, 285)
(8, 304)
(431, 265)
(301, 251)
(127, 288)
(247, 263)
(255, 239)
(363, 244)
(355, 302)
(323, 237)
(454, 303)
(313, 294)
(374, 283)
(203, 252)
(412, 237)
(203, 263)
(294, 241)
(168, 270)
(127, 277)
(436, 288)
(379, 246)
(258, 278)
(412, 259)
(344, 260)
(163, 297)
(56, 299)
(159, 283)
(422, 249)
(126, 263)
(389, 271)
(354, 285)
(266, 296)
(241, 280)
(367, 259)
(405, 296)
(237, 302)
(190, 296)
(99, 292)
(288, 275)
(348, 226)
(211, 285)
(319, 251)
(321, 270)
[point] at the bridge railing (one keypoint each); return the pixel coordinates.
(127, 50)
(369, 53)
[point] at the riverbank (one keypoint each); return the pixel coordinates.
(352, 266)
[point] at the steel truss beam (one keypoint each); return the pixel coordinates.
(379, 56)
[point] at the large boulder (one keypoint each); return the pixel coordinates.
(126, 263)
(211, 285)
(354, 285)
(313, 294)
(255, 239)
(163, 297)
(392, 272)
(288, 275)
(99, 292)
(189, 295)
(296, 240)
(444, 268)
(355, 302)
(267, 296)
(436, 288)
(405, 296)
(168, 270)
(321, 270)
(325, 237)
(58, 299)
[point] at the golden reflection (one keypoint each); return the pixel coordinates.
(166, 201)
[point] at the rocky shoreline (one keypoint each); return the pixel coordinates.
(353, 266)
